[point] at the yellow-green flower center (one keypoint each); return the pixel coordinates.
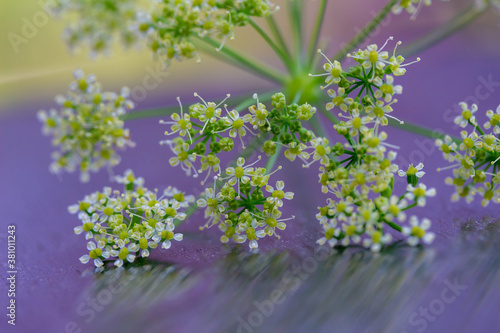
(123, 253)
(83, 206)
(378, 111)
(271, 222)
(143, 243)
(251, 234)
(278, 194)
(351, 230)
(373, 142)
(417, 231)
(338, 100)
(394, 209)
(373, 57)
(468, 143)
(335, 72)
(88, 226)
(167, 234)
(411, 171)
(212, 202)
(108, 211)
(152, 222)
(330, 233)
(170, 212)
(387, 89)
(321, 150)
(419, 192)
(356, 122)
(239, 172)
(466, 114)
(238, 123)
(210, 112)
(95, 253)
(179, 197)
(341, 207)
(183, 124)
(495, 120)
(229, 232)
(183, 155)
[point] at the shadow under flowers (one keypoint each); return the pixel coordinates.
(402, 289)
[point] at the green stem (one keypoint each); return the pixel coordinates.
(316, 30)
(317, 126)
(394, 225)
(272, 160)
(330, 116)
(461, 20)
(366, 31)
(296, 24)
(277, 34)
(413, 128)
(276, 49)
(410, 206)
(249, 64)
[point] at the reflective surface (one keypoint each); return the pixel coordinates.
(402, 289)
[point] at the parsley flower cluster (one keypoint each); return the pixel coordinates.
(360, 174)
(204, 132)
(366, 92)
(246, 207)
(475, 158)
(167, 27)
(121, 226)
(98, 22)
(170, 28)
(87, 129)
(285, 124)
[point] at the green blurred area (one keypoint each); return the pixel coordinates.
(41, 65)
(35, 64)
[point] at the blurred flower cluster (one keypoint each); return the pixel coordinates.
(120, 226)
(167, 27)
(87, 129)
(475, 158)
(98, 21)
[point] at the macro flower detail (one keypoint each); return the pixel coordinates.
(241, 209)
(413, 173)
(474, 157)
(88, 129)
(418, 231)
(121, 226)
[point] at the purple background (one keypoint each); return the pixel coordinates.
(199, 285)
